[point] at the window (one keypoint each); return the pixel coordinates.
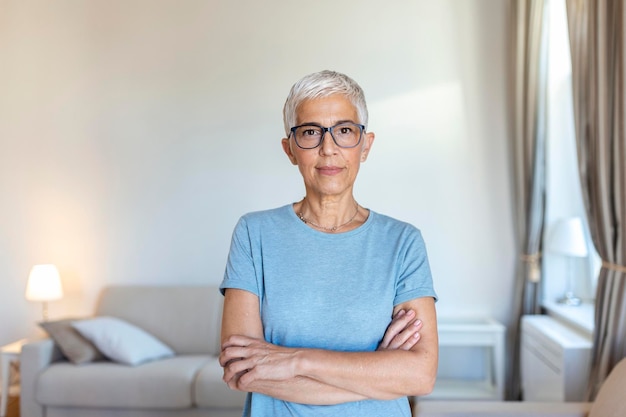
(563, 194)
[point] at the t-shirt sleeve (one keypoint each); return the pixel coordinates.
(415, 279)
(240, 269)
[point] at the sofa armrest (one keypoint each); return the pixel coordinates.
(500, 409)
(35, 357)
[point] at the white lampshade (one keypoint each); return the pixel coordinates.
(44, 283)
(567, 237)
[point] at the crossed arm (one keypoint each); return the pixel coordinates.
(399, 367)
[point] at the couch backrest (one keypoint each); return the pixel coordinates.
(186, 318)
(610, 399)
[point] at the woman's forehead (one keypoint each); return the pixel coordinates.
(333, 107)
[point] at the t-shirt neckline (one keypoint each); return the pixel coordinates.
(303, 226)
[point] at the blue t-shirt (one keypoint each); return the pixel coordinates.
(326, 291)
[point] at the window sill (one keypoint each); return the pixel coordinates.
(581, 317)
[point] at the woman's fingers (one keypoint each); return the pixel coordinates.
(256, 359)
(402, 332)
(409, 337)
(398, 322)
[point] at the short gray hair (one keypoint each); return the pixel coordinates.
(323, 84)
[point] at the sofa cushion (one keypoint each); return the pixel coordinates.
(211, 391)
(473, 408)
(166, 383)
(186, 318)
(121, 341)
(72, 344)
(610, 399)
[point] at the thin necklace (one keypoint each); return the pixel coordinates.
(329, 229)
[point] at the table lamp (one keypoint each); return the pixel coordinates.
(568, 239)
(44, 284)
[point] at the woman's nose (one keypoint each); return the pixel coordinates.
(328, 145)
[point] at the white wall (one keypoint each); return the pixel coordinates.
(133, 134)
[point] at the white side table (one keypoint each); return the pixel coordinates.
(487, 334)
(8, 354)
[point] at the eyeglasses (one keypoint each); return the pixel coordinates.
(311, 135)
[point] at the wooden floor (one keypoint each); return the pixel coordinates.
(13, 407)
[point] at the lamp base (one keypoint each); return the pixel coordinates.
(569, 299)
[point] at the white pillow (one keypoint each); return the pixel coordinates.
(121, 341)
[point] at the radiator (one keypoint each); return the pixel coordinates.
(554, 360)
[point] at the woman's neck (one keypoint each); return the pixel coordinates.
(330, 215)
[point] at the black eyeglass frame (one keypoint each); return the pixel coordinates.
(329, 130)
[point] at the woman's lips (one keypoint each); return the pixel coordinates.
(329, 170)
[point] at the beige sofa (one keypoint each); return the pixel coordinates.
(188, 384)
(610, 402)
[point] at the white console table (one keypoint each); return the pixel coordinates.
(8, 354)
(555, 360)
(490, 336)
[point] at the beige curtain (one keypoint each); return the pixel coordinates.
(597, 45)
(529, 106)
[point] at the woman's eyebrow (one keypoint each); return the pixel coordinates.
(319, 124)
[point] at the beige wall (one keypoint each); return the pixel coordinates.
(133, 134)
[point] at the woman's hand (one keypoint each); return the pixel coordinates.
(402, 333)
(246, 360)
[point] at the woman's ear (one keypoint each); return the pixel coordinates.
(368, 141)
(287, 148)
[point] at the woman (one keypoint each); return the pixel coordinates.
(329, 307)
